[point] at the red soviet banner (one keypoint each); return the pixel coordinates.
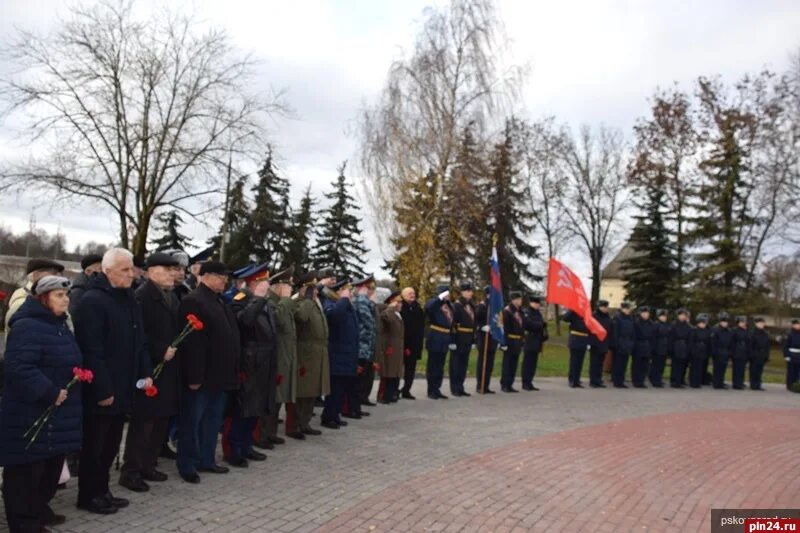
(565, 288)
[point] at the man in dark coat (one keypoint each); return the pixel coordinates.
(89, 265)
(644, 331)
(209, 361)
(759, 354)
(464, 334)
(680, 335)
(624, 340)
(413, 337)
(367, 340)
(791, 354)
(721, 349)
(515, 335)
(535, 337)
(741, 352)
(109, 330)
(259, 365)
(599, 348)
(578, 343)
(150, 419)
(487, 346)
(699, 350)
(661, 347)
(440, 314)
(342, 350)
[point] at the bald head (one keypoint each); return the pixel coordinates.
(409, 295)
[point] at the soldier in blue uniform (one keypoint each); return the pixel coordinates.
(661, 348)
(440, 339)
(721, 349)
(645, 333)
(741, 351)
(464, 333)
(624, 340)
(578, 343)
(535, 337)
(487, 345)
(679, 340)
(791, 353)
(515, 335)
(599, 348)
(759, 353)
(699, 350)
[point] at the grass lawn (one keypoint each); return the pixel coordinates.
(554, 362)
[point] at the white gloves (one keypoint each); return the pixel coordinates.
(788, 359)
(445, 295)
(486, 329)
(451, 347)
(503, 348)
(472, 347)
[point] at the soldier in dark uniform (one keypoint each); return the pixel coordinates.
(259, 365)
(791, 353)
(624, 341)
(515, 336)
(599, 348)
(464, 330)
(679, 349)
(440, 339)
(645, 333)
(578, 344)
(721, 349)
(699, 350)
(661, 348)
(759, 353)
(487, 346)
(535, 337)
(741, 351)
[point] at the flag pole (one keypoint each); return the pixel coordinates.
(487, 333)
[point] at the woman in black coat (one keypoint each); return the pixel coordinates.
(40, 355)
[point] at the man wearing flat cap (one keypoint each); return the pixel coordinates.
(791, 354)
(150, 417)
(464, 335)
(390, 359)
(89, 265)
(35, 270)
(441, 318)
(535, 336)
(258, 368)
(209, 361)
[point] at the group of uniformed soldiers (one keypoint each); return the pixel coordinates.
(648, 344)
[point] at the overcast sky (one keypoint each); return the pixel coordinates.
(591, 62)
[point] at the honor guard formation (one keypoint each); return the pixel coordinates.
(184, 349)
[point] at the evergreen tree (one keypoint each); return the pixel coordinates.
(238, 247)
(417, 262)
(723, 213)
(270, 224)
(300, 231)
(507, 214)
(651, 273)
(169, 224)
(339, 242)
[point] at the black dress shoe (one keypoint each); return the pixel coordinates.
(297, 435)
(191, 478)
(620, 386)
(216, 469)
(509, 389)
(364, 413)
(342, 423)
(408, 396)
(737, 387)
(384, 402)
(266, 445)
(276, 440)
(154, 475)
(167, 453)
(442, 396)
(639, 386)
(527, 387)
(326, 424)
(238, 462)
(354, 416)
(98, 505)
(457, 394)
(658, 385)
(368, 403)
(253, 455)
(119, 503)
(757, 388)
(597, 385)
(463, 393)
(311, 431)
(54, 519)
(136, 484)
(433, 397)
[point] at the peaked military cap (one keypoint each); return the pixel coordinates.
(366, 280)
(284, 276)
(43, 264)
(682, 311)
(466, 286)
(644, 308)
(487, 289)
(662, 312)
(741, 318)
(343, 281)
(308, 277)
(625, 305)
(535, 297)
(513, 295)
(326, 272)
(602, 303)
(442, 287)
(758, 319)
(702, 317)
(201, 256)
(723, 316)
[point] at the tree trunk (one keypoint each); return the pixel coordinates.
(596, 257)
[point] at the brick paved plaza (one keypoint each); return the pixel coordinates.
(554, 460)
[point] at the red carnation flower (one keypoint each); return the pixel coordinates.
(195, 322)
(151, 391)
(360, 370)
(407, 352)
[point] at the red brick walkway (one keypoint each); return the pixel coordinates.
(659, 473)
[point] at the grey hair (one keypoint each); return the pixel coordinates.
(114, 254)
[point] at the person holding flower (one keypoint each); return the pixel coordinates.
(39, 360)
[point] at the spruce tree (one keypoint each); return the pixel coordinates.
(238, 247)
(339, 242)
(507, 214)
(651, 273)
(300, 231)
(168, 224)
(270, 220)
